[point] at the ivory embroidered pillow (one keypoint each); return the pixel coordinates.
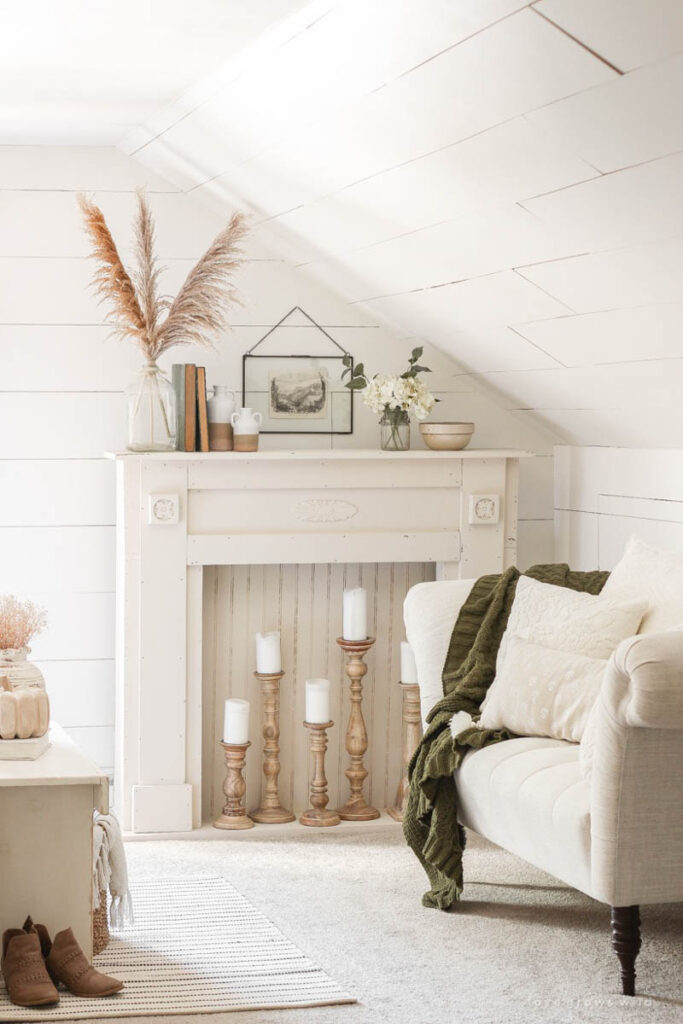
(568, 620)
(656, 576)
(543, 692)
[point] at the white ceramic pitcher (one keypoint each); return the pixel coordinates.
(245, 425)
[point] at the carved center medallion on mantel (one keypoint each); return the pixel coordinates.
(324, 510)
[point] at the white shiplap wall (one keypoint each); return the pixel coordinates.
(603, 495)
(60, 408)
(61, 402)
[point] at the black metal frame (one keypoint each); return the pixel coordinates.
(249, 355)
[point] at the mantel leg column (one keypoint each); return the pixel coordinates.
(154, 647)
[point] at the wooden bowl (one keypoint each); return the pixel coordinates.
(447, 437)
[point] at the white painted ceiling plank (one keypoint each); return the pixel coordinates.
(628, 33)
(503, 164)
(627, 121)
(272, 99)
(537, 63)
(134, 57)
(616, 335)
(621, 385)
(491, 349)
(621, 278)
(639, 204)
(471, 246)
(494, 301)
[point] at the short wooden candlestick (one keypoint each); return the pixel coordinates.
(271, 811)
(318, 815)
(234, 814)
(356, 808)
(412, 731)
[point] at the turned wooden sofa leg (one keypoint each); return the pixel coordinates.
(626, 944)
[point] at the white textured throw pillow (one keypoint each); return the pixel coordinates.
(656, 576)
(559, 641)
(543, 692)
(568, 620)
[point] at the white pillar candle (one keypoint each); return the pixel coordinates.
(355, 621)
(236, 721)
(268, 657)
(408, 666)
(318, 700)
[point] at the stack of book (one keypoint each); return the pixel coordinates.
(192, 421)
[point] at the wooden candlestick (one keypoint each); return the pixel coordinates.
(356, 808)
(271, 811)
(412, 731)
(234, 814)
(317, 814)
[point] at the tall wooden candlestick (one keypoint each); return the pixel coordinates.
(271, 811)
(234, 814)
(412, 731)
(317, 814)
(356, 808)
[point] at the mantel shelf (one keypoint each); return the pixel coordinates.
(322, 454)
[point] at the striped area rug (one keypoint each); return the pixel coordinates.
(197, 946)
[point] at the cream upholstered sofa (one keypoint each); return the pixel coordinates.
(616, 835)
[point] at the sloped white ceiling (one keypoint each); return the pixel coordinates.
(87, 72)
(502, 178)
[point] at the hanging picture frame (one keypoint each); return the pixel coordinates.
(298, 392)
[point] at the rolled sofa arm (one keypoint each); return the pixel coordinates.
(636, 787)
(429, 612)
(643, 685)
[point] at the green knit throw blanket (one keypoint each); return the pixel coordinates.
(430, 823)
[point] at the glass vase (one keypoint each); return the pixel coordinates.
(151, 412)
(394, 431)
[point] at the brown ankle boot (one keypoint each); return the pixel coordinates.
(23, 968)
(65, 960)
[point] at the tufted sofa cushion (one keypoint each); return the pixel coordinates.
(528, 795)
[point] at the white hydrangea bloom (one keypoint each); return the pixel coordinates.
(405, 393)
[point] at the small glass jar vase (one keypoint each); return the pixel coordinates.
(151, 412)
(394, 430)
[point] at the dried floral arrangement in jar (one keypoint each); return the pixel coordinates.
(155, 322)
(20, 621)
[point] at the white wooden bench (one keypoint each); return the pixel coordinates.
(46, 819)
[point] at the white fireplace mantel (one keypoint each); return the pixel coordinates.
(177, 512)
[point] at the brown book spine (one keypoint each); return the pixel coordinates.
(202, 411)
(190, 407)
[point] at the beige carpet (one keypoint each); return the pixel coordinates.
(521, 949)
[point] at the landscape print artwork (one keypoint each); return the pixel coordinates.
(298, 394)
